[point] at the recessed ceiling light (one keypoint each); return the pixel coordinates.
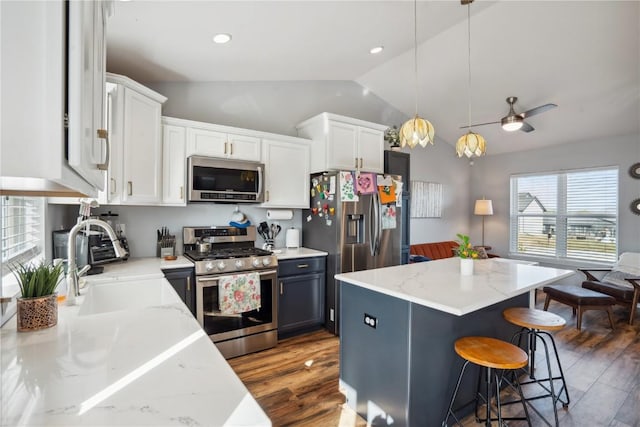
(376, 49)
(222, 38)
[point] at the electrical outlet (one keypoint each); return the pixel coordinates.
(370, 321)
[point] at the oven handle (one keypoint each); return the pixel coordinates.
(216, 278)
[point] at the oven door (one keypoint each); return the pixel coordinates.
(221, 327)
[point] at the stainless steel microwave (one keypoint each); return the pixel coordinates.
(221, 180)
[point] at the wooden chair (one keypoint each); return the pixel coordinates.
(627, 295)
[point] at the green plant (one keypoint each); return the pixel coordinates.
(465, 249)
(37, 280)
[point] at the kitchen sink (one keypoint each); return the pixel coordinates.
(127, 295)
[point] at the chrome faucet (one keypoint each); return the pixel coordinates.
(73, 275)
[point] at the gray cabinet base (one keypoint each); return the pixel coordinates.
(403, 371)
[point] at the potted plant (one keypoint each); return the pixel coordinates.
(392, 136)
(37, 307)
(467, 253)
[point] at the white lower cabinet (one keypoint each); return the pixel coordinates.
(174, 165)
(286, 173)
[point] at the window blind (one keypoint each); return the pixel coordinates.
(570, 214)
(22, 229)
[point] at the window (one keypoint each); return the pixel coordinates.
(22, 230)
(572, 214)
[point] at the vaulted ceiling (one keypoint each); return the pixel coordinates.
(583, 56)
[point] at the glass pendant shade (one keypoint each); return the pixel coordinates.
(471, 144)
(416, 131)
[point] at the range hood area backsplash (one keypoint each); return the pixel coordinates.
(141, 222)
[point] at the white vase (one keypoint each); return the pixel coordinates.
(466, 266)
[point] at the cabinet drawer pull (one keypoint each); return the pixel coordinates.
(130, 188)
(188, 283)
(303, 265)
(103, 134)
(281, 289)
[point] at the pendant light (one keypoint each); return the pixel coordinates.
(471, 143)
(416, 130)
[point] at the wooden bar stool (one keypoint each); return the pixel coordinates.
(535, 325)
(493, 355)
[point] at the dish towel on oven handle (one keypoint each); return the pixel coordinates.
(239, 293)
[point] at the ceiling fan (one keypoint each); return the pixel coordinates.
(515, 121)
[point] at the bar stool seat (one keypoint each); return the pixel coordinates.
(492, 355)
(536, 325)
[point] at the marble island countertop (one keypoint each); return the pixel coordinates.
(113, 360)
(439, 285)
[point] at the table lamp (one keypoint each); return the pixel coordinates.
(483, 208)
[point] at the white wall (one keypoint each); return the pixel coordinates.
(439, 163)
(490, 178)
(273, 106)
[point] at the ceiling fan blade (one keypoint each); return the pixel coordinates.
(479, 124)
(537, 110)
(526, 127)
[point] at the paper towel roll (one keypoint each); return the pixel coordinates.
(279, 214)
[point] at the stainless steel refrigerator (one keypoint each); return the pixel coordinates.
(357, 235)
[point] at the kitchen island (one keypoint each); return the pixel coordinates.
(399, 324)
(130, 353)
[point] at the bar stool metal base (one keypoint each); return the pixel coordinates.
(533, 336)
(494, 357)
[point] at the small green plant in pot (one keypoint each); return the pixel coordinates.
(37, 308)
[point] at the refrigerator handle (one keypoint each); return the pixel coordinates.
(375, 236)
(372, 226)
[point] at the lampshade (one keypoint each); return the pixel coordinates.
(471, 144)
(416, 130)
(511, 122)
(483, 207)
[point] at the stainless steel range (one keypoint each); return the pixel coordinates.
(220, 252)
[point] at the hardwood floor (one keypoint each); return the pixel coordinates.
(296, 383)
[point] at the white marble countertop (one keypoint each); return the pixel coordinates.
(439, 285)
(130, 353)
(139, 268)
(292, 253)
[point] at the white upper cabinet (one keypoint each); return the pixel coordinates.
(39, 155)
(173, 164)
(341, 142)
(135, 176)
(87, 138)
(212, 141)
(286, 172)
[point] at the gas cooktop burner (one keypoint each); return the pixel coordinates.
(226, 253)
